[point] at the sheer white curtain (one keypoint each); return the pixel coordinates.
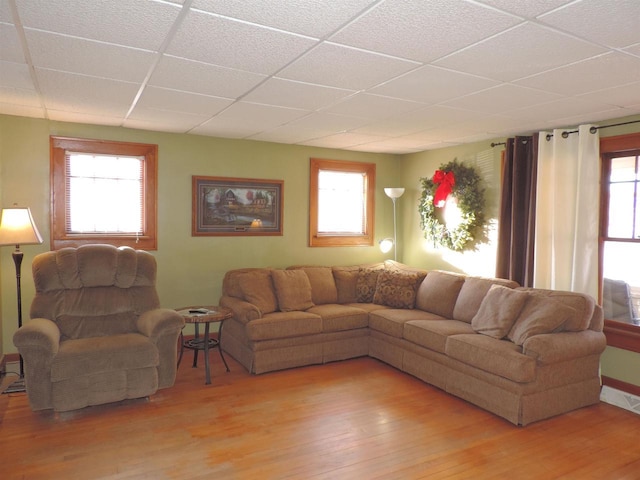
(566, 256)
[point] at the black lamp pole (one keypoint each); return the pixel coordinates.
(17, 259)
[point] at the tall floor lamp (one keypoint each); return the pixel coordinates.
(18, 228)
(394, 193)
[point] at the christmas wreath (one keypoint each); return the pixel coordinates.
(458, 183)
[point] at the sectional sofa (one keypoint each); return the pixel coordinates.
(523, 354)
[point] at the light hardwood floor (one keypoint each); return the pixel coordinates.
(358, 419)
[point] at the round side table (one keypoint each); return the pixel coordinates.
(207, 314)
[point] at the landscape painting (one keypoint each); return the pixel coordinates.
(236, 206)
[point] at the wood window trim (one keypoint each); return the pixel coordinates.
(58, 148)
(368, 169)
(619, 335)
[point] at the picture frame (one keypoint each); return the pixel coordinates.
(224, 206)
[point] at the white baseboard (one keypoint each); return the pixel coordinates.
(620, 399)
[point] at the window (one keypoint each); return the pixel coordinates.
(620, 239)
(103, 192)
(341, 203)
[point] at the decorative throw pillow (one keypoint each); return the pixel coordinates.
(540, 315)
(583, 306)
(257, 288)
(346, 281)
(323, 285)
(366, 284)
(438, 293)
(293, 289)
(396, 289)
(498, 311)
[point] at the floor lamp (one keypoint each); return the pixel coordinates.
(18, 228)
(394, 194)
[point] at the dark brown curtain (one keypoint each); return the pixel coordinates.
(516, 227)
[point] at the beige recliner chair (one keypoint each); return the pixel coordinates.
(96, 334)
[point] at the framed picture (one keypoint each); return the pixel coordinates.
(236, 206)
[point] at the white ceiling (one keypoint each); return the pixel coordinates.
(392, 76)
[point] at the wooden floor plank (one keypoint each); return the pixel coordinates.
(358, 419)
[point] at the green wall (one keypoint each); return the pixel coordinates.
(190, 269)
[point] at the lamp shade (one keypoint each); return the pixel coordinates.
(394, 192)
(18, 228)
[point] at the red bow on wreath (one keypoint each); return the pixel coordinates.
(445, 182)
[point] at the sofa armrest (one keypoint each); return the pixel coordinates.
(557, 347)
(38, 333)
(243, 311)
(156, 322)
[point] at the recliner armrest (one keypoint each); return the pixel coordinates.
(557, 347)
(38, 333)
(154, 323)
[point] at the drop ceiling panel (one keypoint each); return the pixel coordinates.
(502, 99)
(87, 57)
(342, 140)
(615, 24)
(560, 109)
(288, 93)
(163, 120)
(250, 118)
(527, 8)
(617, 69)
(78, 117)
(431, 84)
(125, 22)
(20, 110)
(183, 102)
(15, 75)
(198, 77)
(372, 107)
(623, 96)
(422, 31)
(83, 94)
(417, 120)
(503, 57)
(384, 75)
(228, 43)
(343, 67)
(307, 17)
(10, 48)
(20, 96)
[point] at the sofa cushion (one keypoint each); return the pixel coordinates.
(438, 293)
(293, 289)
(284, 325)
(540, 315)
(323, 285)
(583, 304)
(433, 334)
(346, 282)
(257, 289)
(472, 293)
(391, 321)
(499, 357)
(499, 311)
(397, 289)
(336, 318)
(366, 284)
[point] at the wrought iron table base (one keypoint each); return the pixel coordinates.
(205, 344)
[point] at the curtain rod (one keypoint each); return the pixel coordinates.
(524, 140)
(566, 133)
